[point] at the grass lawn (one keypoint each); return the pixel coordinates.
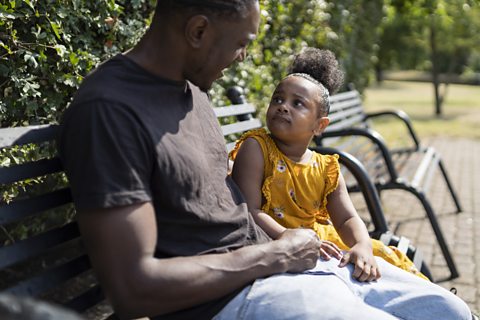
(461, 110)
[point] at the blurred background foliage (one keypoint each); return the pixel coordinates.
(47, 47)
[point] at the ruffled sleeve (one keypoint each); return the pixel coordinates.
(332, 174)
(270, 155)
(249, 134)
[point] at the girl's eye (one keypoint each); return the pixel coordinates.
(277, 100)
(299, 103)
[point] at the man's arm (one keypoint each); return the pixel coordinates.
(121, 243)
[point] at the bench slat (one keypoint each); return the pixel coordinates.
(86, 300)
(30, 170)
(345, 105)
(423, 167)
(428, 176)
(241, 126)
(25, 135)
(51, 278)
(234, 110)
(344, 96)
(33, 246)
(403, 244)
(20, 209)
(345, 114)
(355, 121)
(418, 259)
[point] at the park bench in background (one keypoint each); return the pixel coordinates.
(41, 251)
(408, 168)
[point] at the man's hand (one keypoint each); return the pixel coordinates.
(299, 250)
(366, 268)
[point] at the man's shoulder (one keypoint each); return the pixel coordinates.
(105, 80)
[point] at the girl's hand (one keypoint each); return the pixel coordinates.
(366, 268)
(328, 250)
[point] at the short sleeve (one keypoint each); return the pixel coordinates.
(332, 174)
(107, 155)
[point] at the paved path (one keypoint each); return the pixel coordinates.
(406, 217)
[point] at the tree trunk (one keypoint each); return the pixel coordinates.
(434, 60)
(378, 73)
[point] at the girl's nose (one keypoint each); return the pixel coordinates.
(282, 107)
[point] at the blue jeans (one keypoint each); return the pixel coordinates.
(329, 292)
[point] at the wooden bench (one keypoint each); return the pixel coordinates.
(41, 251)
(409, 168)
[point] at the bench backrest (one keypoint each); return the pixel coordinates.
(41, 252)
(346, 111)
(347, 114)
(41, 249)
(237, 118)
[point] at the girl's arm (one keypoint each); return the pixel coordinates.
(247, 172)
(353, 232)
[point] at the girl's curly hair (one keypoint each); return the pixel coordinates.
(320, 65)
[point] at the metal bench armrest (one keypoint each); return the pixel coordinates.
(373, 136)
(403, 116)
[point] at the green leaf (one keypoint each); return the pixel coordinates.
(29, 4)
(4, 46)
(56, 29)
(60, 50)
(73, 58)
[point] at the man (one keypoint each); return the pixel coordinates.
(169, 236)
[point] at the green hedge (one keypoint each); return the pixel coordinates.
(48, 46)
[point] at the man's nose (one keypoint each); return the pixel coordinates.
(242, 55)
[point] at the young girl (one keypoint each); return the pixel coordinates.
(286, 185)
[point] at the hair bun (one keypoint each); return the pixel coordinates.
(319, 64)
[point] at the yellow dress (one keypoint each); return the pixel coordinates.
(295, 195)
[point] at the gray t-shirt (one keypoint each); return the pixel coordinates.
(130, 137)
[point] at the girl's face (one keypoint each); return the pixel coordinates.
(294, 110)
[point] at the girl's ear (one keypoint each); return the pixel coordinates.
(321, 124)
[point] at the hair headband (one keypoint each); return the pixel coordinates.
(325, 93)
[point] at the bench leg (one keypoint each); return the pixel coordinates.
(438, 232)
(450, 187)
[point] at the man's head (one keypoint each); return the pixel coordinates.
(213, 34)
(225, 8)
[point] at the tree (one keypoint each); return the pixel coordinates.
(439, 35)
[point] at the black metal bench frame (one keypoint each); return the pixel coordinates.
(350, 130)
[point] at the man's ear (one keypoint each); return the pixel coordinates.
(321, 124)
(196, 30)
